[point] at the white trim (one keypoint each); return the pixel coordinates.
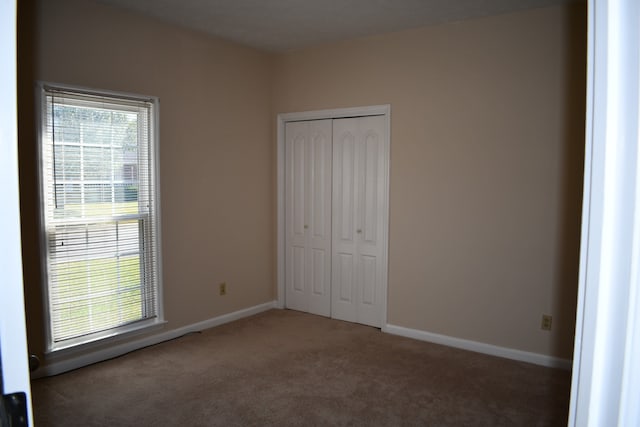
(592, 177)
(104, 338)
(59, 367)
(280, 238)
(99, 93)
(157, 223)
(14, 368)
(607, 345)
(336, 113)
(478, 347)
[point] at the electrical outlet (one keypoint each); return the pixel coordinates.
(223, 288)
(545, 325)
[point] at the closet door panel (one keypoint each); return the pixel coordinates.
(370, 211)
(298, 183)
(299, 270)
(343, 288)
(344, 185)
(319, 273)
(308, 216)
(345, 196)
(296, 141)
(370, 245)
(320, 180)
(358, 200)
(319, 217)
(344, 188)
(369, 279)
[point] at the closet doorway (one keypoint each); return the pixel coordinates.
(333, 186)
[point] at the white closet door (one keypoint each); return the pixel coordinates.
(359, 200)
(308, 216)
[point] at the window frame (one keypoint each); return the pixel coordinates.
(96, 339)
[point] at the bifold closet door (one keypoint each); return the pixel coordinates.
(358, 200)
(308, 216)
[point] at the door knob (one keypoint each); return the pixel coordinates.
(306, 226)
(358, 231)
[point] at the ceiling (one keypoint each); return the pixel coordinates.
(282, 25)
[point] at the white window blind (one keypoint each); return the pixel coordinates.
(99, 210)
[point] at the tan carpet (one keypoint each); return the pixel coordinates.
(288, 368)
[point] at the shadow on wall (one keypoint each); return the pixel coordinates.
(28, 168)
(570, 194)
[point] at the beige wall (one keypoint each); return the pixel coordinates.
(216, 155)
(486, 159)
(486, 167)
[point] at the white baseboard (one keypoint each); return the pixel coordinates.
(478, 347)
(68, 364)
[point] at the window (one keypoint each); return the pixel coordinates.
(100, 216)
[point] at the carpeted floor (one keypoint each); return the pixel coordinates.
(284, 368)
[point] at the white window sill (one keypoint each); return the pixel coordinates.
(103, 339)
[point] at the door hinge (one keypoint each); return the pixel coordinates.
(13, 410)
